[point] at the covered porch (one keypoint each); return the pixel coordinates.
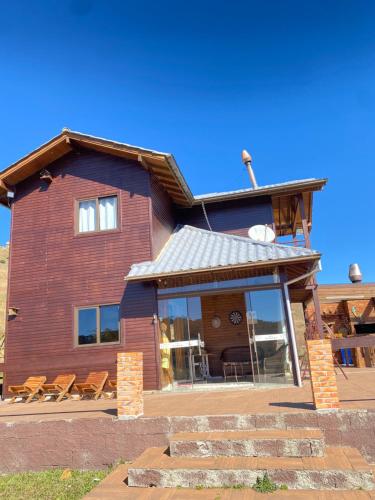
(224, 314)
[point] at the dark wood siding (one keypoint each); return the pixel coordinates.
(233, 217)
(228, 335)
(53, 270)
(162, 217)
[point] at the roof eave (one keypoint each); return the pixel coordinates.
(263, 263)
(65, 141)
(313, 185)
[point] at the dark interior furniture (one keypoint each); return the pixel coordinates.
(277, 362)
(236, 361)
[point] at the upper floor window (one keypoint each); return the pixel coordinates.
(97, 214)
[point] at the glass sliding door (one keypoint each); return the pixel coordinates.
(268, 337)
(180, 327)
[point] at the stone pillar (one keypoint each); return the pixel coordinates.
(322, 374)
(129, 385)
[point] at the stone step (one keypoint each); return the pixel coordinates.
(340, 469)
(115, 487)
(256, 443)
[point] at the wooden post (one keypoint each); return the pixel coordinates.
(315, 298)
(305, 227)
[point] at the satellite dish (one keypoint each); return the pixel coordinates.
(261, 232)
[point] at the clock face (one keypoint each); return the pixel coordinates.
(235, 317)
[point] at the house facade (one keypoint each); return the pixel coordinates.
(111, 252)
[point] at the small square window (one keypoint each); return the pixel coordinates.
(98, 325)
(99, 214)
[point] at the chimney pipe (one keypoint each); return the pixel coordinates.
(355, 274)
(246, 158)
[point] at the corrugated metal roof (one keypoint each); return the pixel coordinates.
(258, 190)
(191, 249)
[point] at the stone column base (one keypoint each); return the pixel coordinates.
(322, 374)
(129, 385)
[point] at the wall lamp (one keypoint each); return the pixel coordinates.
(13, 311)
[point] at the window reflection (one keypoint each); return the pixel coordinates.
(98, 325)
(109, 323)
(86, 326)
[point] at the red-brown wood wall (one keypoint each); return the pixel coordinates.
(52, 269)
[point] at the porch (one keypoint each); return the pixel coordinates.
(224, 308)
(356, 393)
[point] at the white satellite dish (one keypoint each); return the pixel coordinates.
(261, 232)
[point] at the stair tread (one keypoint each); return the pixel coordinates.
(336, 458)
(248, 435)
(115, 487)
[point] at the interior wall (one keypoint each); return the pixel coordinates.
(227, 335)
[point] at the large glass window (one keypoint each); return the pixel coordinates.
(180, 328)
(268, 336)
(99, 214)
(98, 325)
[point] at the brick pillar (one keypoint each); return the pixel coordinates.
(129, 385)
(322, 373)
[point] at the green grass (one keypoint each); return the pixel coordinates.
(47, 485)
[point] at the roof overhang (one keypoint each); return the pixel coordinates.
(286, 214)
(234, 267)
(162, 165)
(283, 189)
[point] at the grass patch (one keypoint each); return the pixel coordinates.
(48, 485)
(266, 485)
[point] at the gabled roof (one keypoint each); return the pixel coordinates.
(190, 249)
(165, 169)
(162, 165)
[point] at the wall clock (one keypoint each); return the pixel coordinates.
(216, 322)
(235, 317)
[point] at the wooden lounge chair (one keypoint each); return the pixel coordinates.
(113, 385)
(93, 385)
(30, 389)
(59, 388)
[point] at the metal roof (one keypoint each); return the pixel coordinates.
(192, 249)
(260, 190)
(162, 165)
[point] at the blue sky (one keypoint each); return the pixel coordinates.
(291, 81)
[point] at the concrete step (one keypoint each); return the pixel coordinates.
(340, 469)
(115, 487)
(258, 443)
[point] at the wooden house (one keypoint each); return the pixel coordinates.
(110, 251)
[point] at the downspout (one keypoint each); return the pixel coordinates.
(290, 319)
